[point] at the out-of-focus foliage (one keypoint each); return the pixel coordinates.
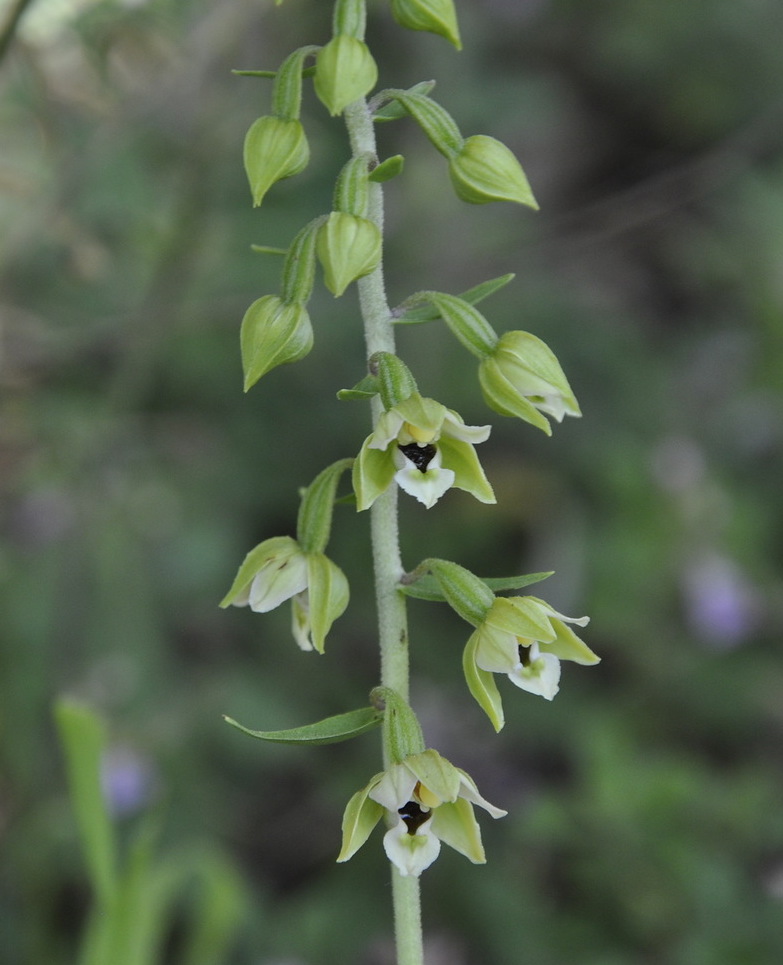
(645, 815)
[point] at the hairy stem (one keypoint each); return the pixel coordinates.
(392, 616)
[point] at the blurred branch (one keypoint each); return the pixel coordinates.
(8, 29)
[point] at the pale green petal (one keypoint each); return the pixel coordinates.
(470, 792)
(277, 548)
(541, 676)
(373, 473)
(395, 787)
(277, 581)
(361, 816)
(454, 426)
(482, 684)
(494, 650)
(568, 646)
(328, 596)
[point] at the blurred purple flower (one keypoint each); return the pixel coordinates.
(722, 607)
(127, 780)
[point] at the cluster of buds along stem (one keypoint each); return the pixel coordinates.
(417, 444)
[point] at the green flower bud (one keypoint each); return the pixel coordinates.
(523, 378)
(434, 16)
(348, 248)
(273, 332)
(344, 72)
(274, 149)
(486, 170)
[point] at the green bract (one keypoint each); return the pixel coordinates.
(274, 149)
(278, 570)
(348, 248)
(434, 16)
(429, 800)
(426, 449)
(344, 71)
(523, 378)
(485, 170)
(273, 333)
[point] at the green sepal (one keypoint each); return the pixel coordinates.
(521, 616)
(331, 730)
(344, 71)
(456, 825)
(387, 169)
(433, 16)
(426, 587)
(274, 149)
(273, 333)
(386, 108)
(314, 522)
(328, 594)
(481, 684)
(287, 90)
(440, 777)
(469, 474)
(348, 247)
(485, 170)
(395, 380)
(418, 313)
(299, 264)
(436, 122)
(466, 323)
(402, 734)
(465, 592)
(365, 389)
(360, 817)
(373, 473)
(351, 190)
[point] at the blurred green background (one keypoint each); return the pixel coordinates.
(645, 820)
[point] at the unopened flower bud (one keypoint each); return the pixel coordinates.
(275, 148)
(344, 71)
(523, 378)
(486, 170)
(348, 248)
(434, 16)
(273, 332)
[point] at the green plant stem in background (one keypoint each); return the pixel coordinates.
(387, 564)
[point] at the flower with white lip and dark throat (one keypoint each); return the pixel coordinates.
(426, 449)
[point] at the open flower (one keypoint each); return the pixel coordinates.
(524, 638)
(278, 570)
(426, 800)
(522, 378)
(426, 449)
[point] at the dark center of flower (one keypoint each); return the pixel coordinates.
(413, 816)
(420, 456)
(524, 655)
